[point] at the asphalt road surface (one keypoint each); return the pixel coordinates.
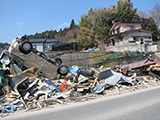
(143, 105)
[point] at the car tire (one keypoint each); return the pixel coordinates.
(25, 47)
(62, 70)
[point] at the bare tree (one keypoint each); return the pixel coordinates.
(143, 14)
(155, 14)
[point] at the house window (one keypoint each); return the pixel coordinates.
(118, 30)
(148, 37)
(130, 27)
(113, 32)
(141, 40)
(113, 42)
(136, 38)
(148, 42)
(45, 46)
(132, 41)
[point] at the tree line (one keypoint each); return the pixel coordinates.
(96, 24)
(63, 35)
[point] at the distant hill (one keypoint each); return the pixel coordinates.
(65, 35)
(3, 46)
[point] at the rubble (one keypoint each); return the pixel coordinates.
(35, 92)
(138, 66)
(28, 89)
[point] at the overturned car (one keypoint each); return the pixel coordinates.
(25, 56)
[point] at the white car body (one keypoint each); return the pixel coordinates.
(14, 46)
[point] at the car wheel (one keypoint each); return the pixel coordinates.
(62, 70)
(25, 47)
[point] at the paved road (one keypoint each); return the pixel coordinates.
(143, 105)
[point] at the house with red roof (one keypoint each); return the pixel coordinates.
(129, 36)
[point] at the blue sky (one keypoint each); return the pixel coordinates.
(20, 17)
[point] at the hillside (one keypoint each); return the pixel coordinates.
(65, 35)
(3, 46)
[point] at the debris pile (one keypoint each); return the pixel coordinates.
(29, 88)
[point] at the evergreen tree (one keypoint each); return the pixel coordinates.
(72, 25)
(86, 31)
(84, 39)
(102, 23)
(124, 11)
(149, 24)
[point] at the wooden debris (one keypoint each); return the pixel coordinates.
(95, 70)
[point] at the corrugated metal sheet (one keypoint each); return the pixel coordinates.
(37, 40)
(51, 41)
(129, 67)
(43, 40)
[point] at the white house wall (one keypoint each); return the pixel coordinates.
(39, 46)
(154, 48)
(142, 34)
(124, 27)
(140, 48)
(46, 46)
(129, 37)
